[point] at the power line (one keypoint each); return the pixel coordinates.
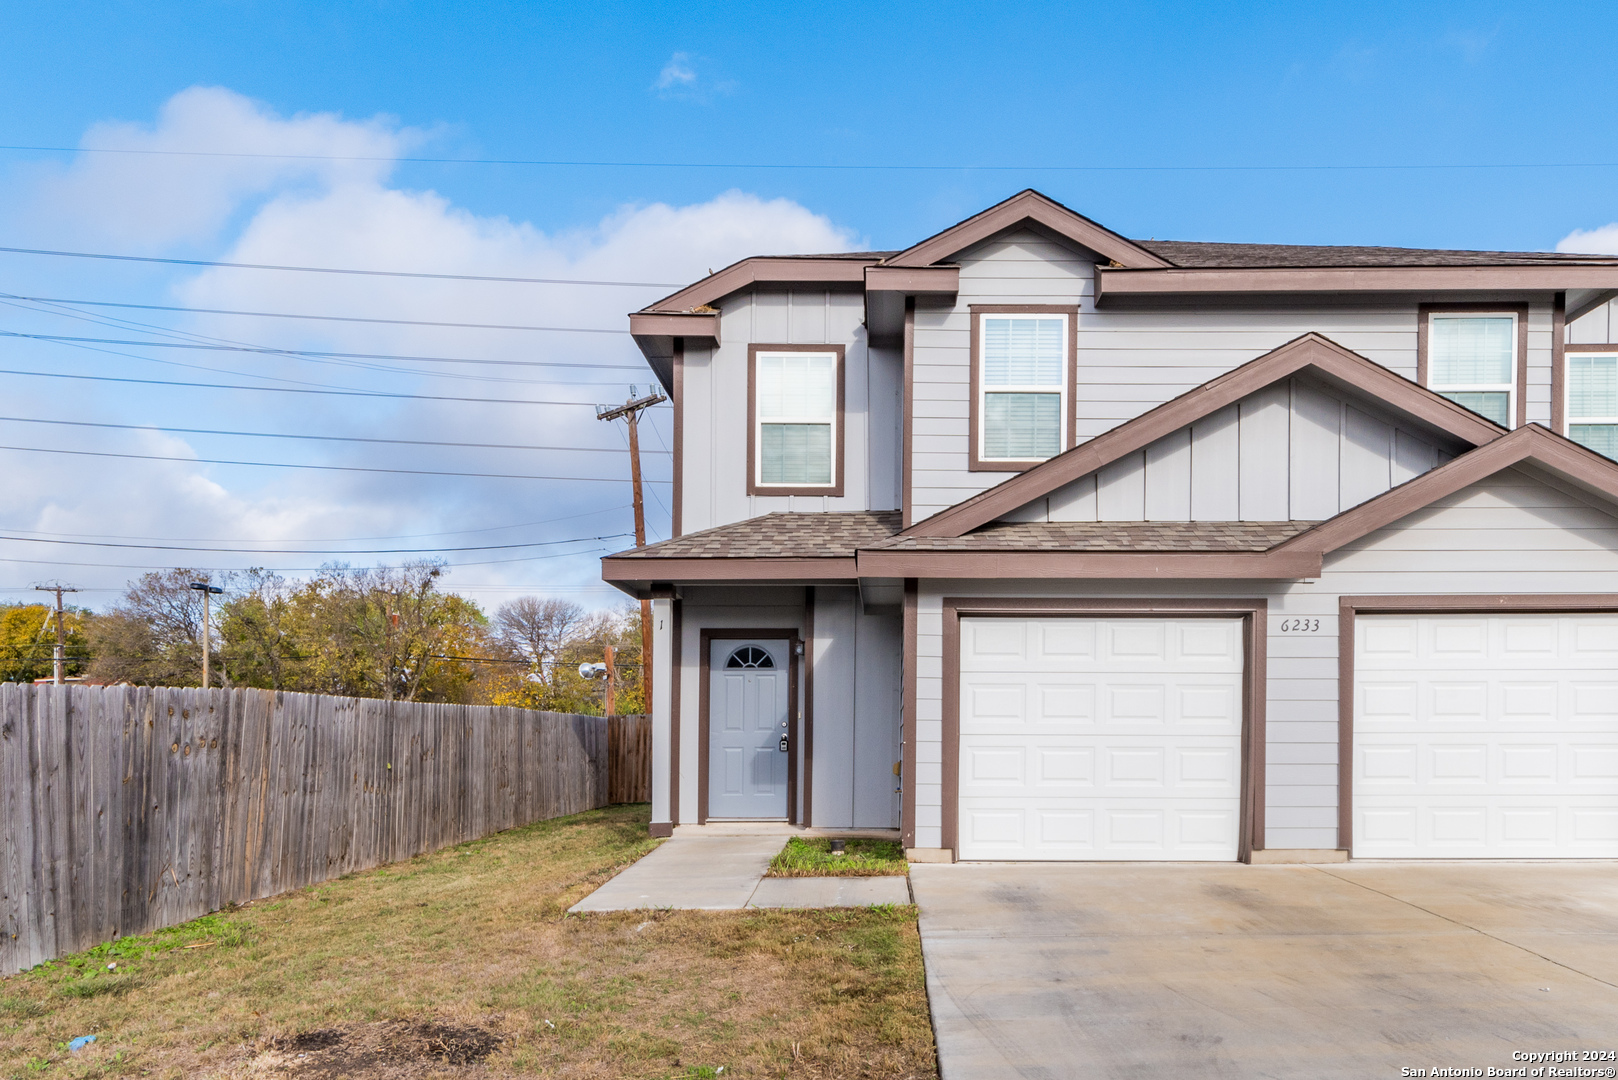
(203, 347)
(287, 389)
(325, 468)
(813, 166)
(339, 270)
(307, 551)
(296, 569)
(317, 318)
(323, 438)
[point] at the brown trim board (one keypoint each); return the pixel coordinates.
(1115, 286)
(1255, 641)
(975, 367)
(630, 569)
(1520, 377)
(678, 393)
(1559, 364)
(1310, 353)
(907, 800)
(840, 435)
(762, 268)
(709, 635)
(804, 736)
(1349, 607)
(909, 423)
(1025, 206)
(1087, 564)
(678, 620)
(913, 279)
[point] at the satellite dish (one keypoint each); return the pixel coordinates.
(592, 671)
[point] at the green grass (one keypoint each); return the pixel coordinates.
(864, 858)
(478, 938)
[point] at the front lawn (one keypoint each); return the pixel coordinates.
(466, 963)
(863, 858)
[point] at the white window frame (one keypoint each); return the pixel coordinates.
(1509, 389)
(1569, 421)
(983, 390)
(759, 421)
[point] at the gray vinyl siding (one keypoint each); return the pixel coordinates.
(1600, 327)
(714, 458)
(857, 708)
(1513, 533)
(1292, 451)
(1129, 362)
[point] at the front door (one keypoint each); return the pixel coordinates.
(747, 729)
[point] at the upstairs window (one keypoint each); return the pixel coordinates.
(795, 442)
(1022, 379)
(1472, 360)
(1592, 401)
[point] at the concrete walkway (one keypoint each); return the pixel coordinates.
(724, 871)
(1355, 970)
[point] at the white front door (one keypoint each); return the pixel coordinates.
(1100, 738)
(1485, 736)
(747, 729)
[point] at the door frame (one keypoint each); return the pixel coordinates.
(1255, 650)
(794, 732)
(1458, 604)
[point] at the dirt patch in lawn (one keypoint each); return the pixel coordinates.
(467, 963)
(813, 857)
(383, 1051)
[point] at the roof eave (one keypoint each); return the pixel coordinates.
(1116, 287)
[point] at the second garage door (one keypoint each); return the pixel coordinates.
(1100, 738)
(1486, 736)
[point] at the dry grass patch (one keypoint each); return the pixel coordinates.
(812, 857)
(465, 963)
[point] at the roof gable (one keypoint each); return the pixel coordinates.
(1024, 207)
(1311, 354)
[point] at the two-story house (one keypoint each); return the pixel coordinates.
(1037, 542)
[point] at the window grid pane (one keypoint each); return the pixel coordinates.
(1492, 404)
(1592, 387)
(795, 454)
(1024, 351)
(1473, 351)
(1021, 427)
(1602, 438)
(797, 386)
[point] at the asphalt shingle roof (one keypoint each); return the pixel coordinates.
(840, 535)
(1191, 254)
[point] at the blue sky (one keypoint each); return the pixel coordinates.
(1149, 118)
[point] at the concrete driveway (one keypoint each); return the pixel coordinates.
(1352, 970)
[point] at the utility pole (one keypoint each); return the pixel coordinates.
(60, 658)
(207, 592)
(630, 411)
(610, 704)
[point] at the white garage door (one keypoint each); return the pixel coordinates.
(1486, 736)
(1100, 738)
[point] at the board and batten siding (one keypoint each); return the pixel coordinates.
(1599, 327)
(1517, 532)
(1128, 362)
(714, 457)
(1339, 452)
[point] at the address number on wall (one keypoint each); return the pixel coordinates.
(1300, 626)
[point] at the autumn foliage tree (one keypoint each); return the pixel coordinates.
(28, 642)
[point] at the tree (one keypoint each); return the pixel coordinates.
(154, 636)
(28, 642)
(545, 641)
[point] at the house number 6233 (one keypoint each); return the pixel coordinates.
(1299, 626)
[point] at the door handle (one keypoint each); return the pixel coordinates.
(783, 744)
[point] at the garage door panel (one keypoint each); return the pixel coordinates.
(1035, 829)
(1100, 738)
(1486, 736)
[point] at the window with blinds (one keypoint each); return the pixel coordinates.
(795, 417)
(1592, 401)
(1022, 387)
(1472, 360)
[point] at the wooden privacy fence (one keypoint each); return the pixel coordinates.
(629, 744)
(125, 809)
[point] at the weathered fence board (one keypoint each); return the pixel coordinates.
(124, 809)
(629, 742)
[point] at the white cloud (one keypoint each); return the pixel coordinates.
(1602, 240)
(347, 214)
(677, 72)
